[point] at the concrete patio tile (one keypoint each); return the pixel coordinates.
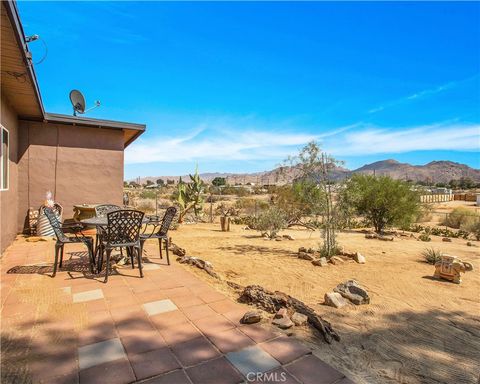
(122, 301)
(285, 349)
(252, 360)
(160, 306)
(210, 295)
(235, 315)
(198, 311)
(175, 377)
(186, 301)
(179, 333)
(66, 290)
(225, 305)
(134, 326)
(150, 295)
(276, 376)
(61, 362)
(166, 320)
(150, 266)
(116, 372)
(69, 378)
(143, 342)
(98, 329)
(81, 297)
(258, 332)
(231, 340)
(177, 291)
(311, 370)
(195, 351)
(153, 363)
(213, 324)
(218, 371)
(98, 353)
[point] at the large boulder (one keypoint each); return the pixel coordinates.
(353, 291)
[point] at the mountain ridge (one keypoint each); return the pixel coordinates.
(437, 171)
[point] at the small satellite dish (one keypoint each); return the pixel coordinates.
(78, 103)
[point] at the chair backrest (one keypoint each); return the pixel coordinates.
(54, 222)
(167, 220)
(123, 226)
(103, 209)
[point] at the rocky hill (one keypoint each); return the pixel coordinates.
(433, 172)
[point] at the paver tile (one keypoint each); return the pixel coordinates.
(153, 363)
(166, 320)
(179, 333)
(160, 306)
(98, 353)
(285, 349)
(258, 332)
(311, 370)
(115, 372)
(225, 305)
(218, 371)
(231, 340)
(252, 360)
(213, 324)
(195, 351)
(95, 294)
(134, 326)
(143, 342)
(198, 311)
(186, 301)
(175, 377)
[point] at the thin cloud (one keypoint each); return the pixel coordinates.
(422, 94)
(380, 140)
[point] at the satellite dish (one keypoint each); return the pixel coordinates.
(78, 102)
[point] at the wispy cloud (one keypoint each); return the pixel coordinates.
(371, 139)
(422, 94)
(225, 142)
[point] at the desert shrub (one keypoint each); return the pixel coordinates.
(460, 217)
(271, 221)
(474, 228)
(250, 206)
(426, 235)
(237, 191)
(424, 214)
(382, 200)
(145, 205)
(432, 255)
(148, 194)
(250, 221)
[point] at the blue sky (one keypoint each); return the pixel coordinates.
(237, 87)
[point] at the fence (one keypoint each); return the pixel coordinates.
(465, 196)
(436, 198)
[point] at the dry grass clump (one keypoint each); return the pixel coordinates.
(432, 255)
(461, 218)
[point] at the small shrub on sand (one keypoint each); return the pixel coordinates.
(460, 217)
(432, 255)
(475, 229)
(271, 221)
(145, 205)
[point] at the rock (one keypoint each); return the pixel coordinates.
(305, 256)
(385, 238)
(288, 237)
(335, 299)
(310, 250)
(322, 262)
(281, 319)
(299, 319)
(336, 260)
(359, 258)
(347, 254)
(247, 228)
(251, 317)
(278, 239)
(281, 313)
(353, 291)
(284, 323)
(302, 249)
(446, 239)
(370, 236)
(469, 244)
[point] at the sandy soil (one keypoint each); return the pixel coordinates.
(416, 329)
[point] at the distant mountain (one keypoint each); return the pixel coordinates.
(433, 172)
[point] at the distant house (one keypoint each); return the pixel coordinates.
(78, 159)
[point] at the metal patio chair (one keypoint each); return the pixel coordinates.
(63, 239)
(122, 231)
(162, 233)
(101, 211)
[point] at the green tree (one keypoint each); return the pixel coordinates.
(219, 181)
(382, 201)
(160, 182)
(149, 182)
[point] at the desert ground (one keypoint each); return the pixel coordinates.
(415, 330)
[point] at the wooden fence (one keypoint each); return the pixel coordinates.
(436, 198)
(465, 196)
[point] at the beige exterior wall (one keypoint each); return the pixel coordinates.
(9, 198)
(79, 165)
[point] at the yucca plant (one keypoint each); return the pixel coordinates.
(190, 196)
(432, 255)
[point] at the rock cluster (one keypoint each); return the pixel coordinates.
(353, 291)
(199, 263)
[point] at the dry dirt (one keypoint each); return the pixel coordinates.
(416, 329)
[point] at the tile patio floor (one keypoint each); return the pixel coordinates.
(169, 327)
